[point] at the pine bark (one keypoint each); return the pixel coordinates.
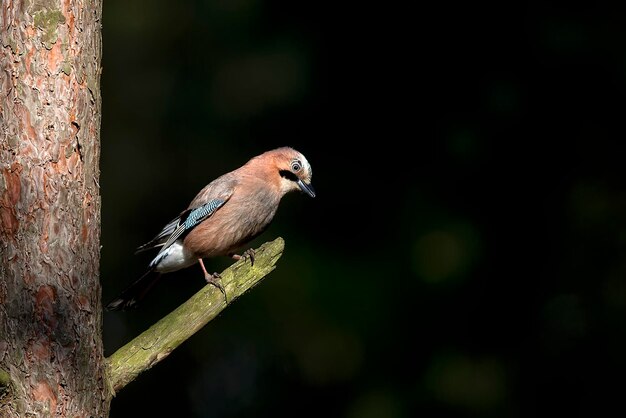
(51, 359)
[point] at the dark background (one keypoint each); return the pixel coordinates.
(464, 256)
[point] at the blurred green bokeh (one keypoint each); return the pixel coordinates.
(464, 256)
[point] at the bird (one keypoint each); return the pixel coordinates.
(224, 216)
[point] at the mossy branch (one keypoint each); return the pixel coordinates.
(156, 343)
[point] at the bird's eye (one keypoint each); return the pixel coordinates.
(296, 166)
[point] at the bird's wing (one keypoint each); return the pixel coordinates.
(162, 236)
(209, 200)
(192, 218)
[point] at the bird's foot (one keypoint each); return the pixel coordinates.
(215, 280)
(248, 254)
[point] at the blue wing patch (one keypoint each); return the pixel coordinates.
(200, 213)
(195, 216)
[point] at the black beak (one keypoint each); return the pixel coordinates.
(306, 188)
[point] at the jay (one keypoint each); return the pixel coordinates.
(225, 215)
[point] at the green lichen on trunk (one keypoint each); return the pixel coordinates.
(48, 20)
(156, 343)
(66, 67)
(5, 381)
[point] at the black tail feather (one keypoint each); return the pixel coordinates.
(148, 246)
(134, 293)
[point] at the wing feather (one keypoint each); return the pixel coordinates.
(205, 204)
(194, 217)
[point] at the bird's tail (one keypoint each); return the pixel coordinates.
(135, 292)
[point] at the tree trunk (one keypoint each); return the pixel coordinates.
(51, 359)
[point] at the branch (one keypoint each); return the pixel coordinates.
(156, 343)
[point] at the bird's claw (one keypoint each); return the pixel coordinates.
(249, 253)
(214, 279)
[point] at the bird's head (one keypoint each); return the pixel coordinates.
(294, 170)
